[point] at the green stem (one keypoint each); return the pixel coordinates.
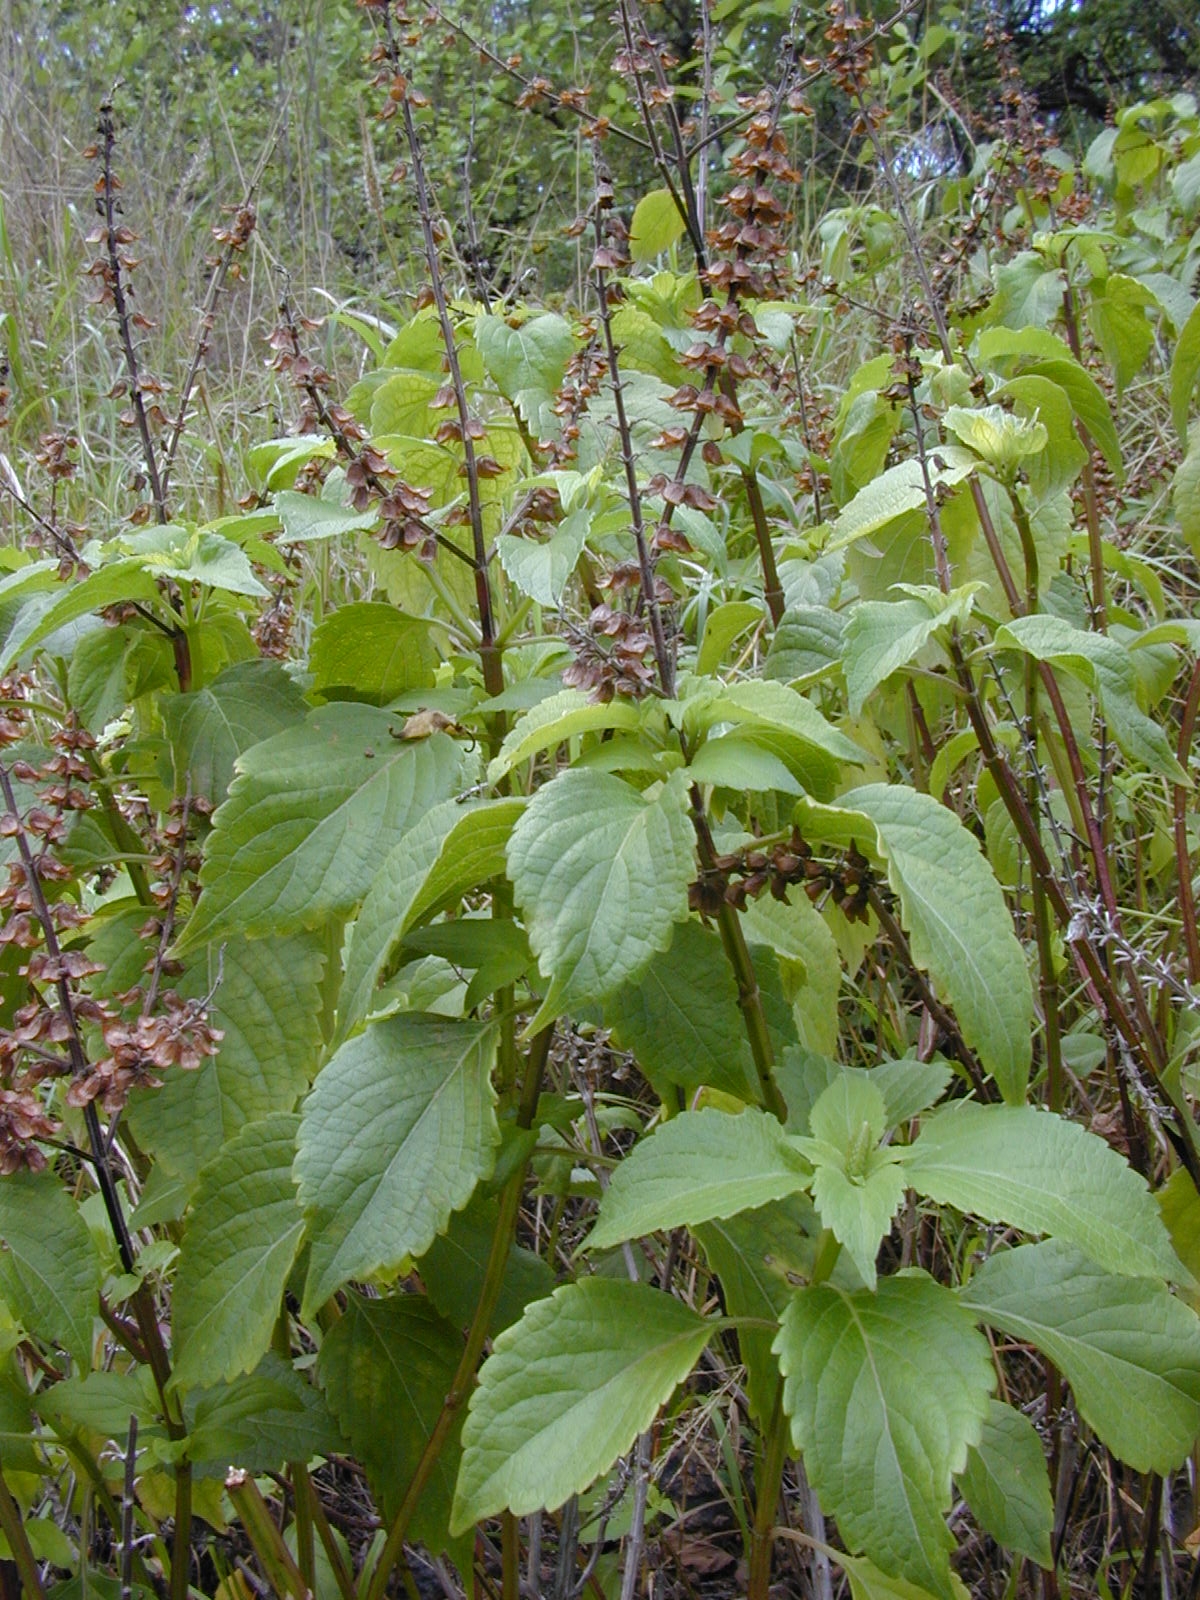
(181, 1543)
(18, 1542)
(738, 955)
(306, 1554)
(258, 1524)
(341, 1572)
(770, 1481)
(772, 588)
(1183, 868)
(510, 1556)
(375, 1586)
(125, 839)
(775, 1450)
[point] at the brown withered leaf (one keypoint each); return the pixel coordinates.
(424, 723)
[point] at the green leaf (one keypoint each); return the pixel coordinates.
(567, 1390)
(859, 1211)
(47, 1541)
(386, 1367)
(760, 1256)
(1108, 670)
(210, 729)
(452, 849)
(910, 1086)
(1037, 1171)
(308, 818)
(641, 342)
(1000, 438)
(49, 1273)
(806, 644)
(1042, 354)
(267, 1000)
(882, 636)
(260, 1421)
(453, 1268)
(397, 1131)
(371, 651)
(401, 403)
(1026, 291)
(681, 1018)
(241, 1239)
(725, 624)
(601, 875)
(886, 1392)
(1007, 1487)
(1179, 1204)
(20, 1446)
(1057, 467)
(868, 1583)
(306, 517)
(732, 761)
(193, 555)
(543, 570)
(1185, 492)
(899, 490)
(1185, 369)
(781, 721)
(1089, 404)
(953, 908)
(52, 606)
(115, 666)
(1117, 316)
(532, 356)
(1129, 1349)
(103, 1403)
(856, 1187)
(494, 948)
(862, 443)
(553, 721)
(810, 970)
(697, 1166)
(657, 225)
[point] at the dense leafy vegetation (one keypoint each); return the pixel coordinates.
(606, 916)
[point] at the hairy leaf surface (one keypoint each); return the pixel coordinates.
(308, 818)
(601, 875)
(396, 1133)
(699, 1165)
(1039, 1172)
(886, 1392)
(1129, 1349)
(567, 1390)
(386, 1367)
(953, 908)
(241, 1238)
